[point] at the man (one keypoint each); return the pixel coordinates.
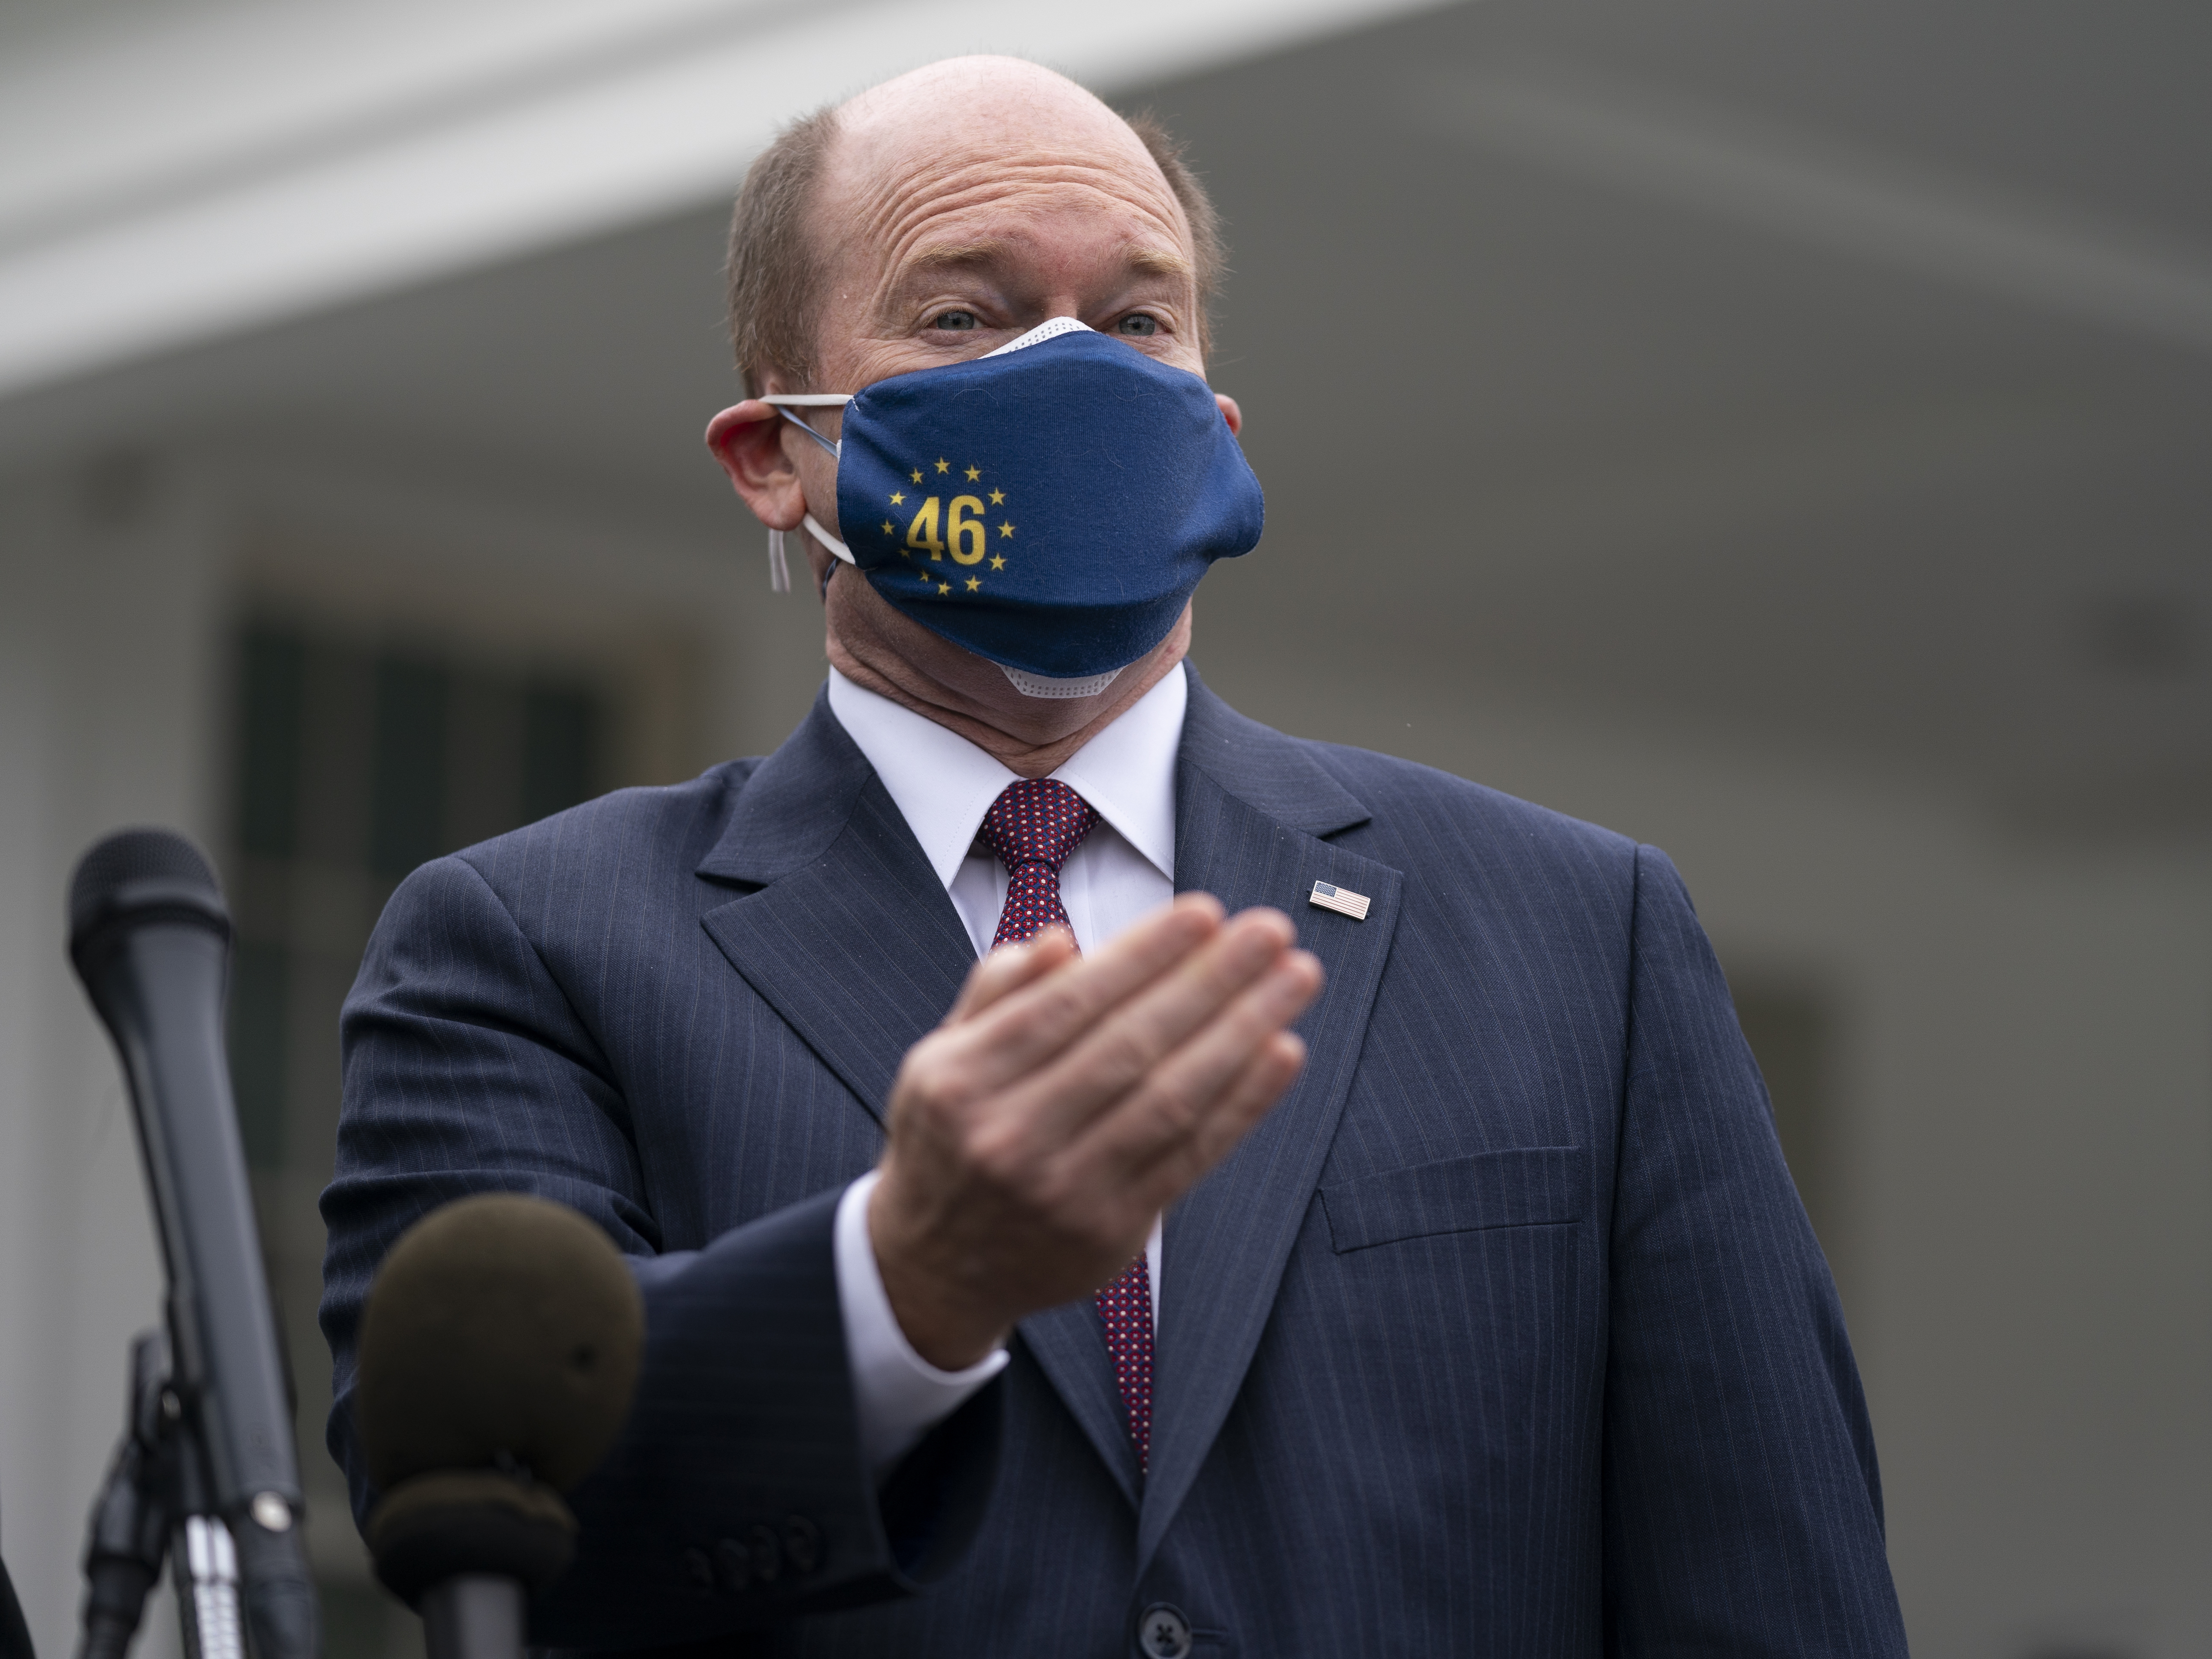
(1482, 1317)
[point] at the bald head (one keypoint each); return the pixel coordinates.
(1000, 109)
(1000, 100)
(997, 147)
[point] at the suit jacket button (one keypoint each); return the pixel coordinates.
(698, 1569)
(1162, 1632)
(802, 1543)
(767, 1554)
(733, 1565)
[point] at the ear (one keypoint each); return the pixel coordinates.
(1230, 413)
(747, 439)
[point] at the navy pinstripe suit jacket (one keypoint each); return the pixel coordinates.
(1504, 1334)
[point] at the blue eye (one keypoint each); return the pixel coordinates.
(954, 320)
(1137, 323)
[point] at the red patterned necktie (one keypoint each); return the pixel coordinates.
(1035, 826)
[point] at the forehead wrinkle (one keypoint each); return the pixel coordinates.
(896, 242)
(897, 203)
(888, 199)
(884, 203)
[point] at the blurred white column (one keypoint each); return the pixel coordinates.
(108, 604)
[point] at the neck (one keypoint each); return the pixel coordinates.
(875, 647)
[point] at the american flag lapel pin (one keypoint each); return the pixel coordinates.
(1342, 900)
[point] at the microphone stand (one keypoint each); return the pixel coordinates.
(473, 1615)
(463, 1547)
(153, 1508)
(206, 1477)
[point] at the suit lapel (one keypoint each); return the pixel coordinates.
(1069, 1344)
(1250, 808)
(850, 938)
(1251, 805)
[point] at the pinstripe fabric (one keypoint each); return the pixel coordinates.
(1504, 1335)
(555, 1011)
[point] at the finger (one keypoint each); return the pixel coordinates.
(995, 974)
(1008, 968)
(1024, 1028)
(961, 1067)
(1135, 1194)
(1050, 948)
(1185, 1088)
(1113, 1058)
(1255, 1092)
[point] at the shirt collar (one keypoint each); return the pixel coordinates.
(942, 784)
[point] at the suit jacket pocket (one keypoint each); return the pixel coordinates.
(1523, 1186)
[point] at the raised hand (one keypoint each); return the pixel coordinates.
(1065, 1102)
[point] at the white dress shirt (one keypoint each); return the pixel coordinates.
(943, 785)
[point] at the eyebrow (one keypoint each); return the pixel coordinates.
(1160, 262)
(953, 256)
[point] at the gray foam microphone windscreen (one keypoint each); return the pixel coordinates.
(503, 1329)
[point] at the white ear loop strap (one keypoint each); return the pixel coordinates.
(836, 449)
(784, 401)
(779, 566)
(830, 542)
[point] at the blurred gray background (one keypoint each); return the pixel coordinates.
(1777, 432)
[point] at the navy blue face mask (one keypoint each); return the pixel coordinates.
(1051, 506)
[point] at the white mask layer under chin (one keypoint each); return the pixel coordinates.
(1036, 685)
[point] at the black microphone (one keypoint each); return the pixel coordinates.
(150, 938)
(500, 1349)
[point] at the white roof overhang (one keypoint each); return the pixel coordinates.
(219, 169)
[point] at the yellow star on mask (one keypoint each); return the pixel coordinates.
(897, 496)
(915, 475)
(887, 528)
(974, 473)
(998, 562)
(975, 582)
(998, 498)
(1004, 529)
(945, 587)
(943, 466)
